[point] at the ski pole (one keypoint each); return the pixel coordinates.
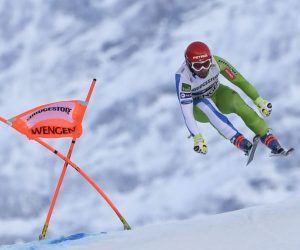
(63, 173)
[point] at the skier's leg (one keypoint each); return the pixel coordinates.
(272, 142)
(199, 115)
(229, 101)
(221, 123)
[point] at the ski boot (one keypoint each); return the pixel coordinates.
(241, 142)
(272, 143)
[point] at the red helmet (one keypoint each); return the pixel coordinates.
(197, 52)
(198, 58)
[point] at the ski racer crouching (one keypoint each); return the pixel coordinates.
(202, 98)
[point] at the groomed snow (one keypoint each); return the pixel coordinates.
(272, 227)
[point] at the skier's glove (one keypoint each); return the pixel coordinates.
(264, 106)
(200, 144)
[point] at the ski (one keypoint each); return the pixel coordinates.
(253, 149)
(284, 153)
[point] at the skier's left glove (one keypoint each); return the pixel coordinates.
(200, 144)
(265, 107)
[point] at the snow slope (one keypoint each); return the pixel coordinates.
(135, 142)
(272, 227)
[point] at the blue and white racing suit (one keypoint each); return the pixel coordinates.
(193, 90)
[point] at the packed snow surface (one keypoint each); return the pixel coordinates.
(272, 227)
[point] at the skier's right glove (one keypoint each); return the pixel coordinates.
(264, 106)
(200, 144)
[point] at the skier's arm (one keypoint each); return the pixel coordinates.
(232, 75)
(199, 142)
(187, 111)
(184, 95)
(186, 103)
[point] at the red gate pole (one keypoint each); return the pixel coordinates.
(63, 173)
(88, 179)
(80, 171)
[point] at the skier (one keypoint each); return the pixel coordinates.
(204, 99)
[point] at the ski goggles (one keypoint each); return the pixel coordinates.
(197, 66)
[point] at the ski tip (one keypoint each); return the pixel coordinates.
(253, 149)
(284, 153)
(248, 163)
(291, 150)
